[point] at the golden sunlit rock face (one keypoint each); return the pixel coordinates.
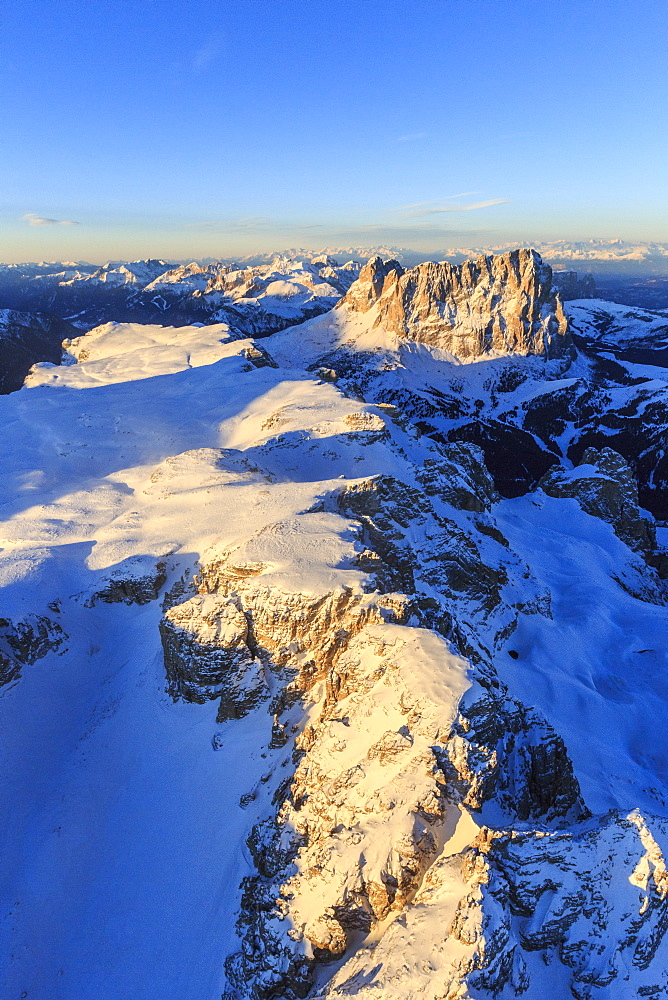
(502, 304)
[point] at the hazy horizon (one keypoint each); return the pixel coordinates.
(584, 254)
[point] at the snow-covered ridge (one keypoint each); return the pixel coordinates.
(594, 250)
(618, 326)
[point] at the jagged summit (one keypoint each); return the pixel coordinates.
(136, 272)
(503, 304)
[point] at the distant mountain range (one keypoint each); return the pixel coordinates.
(155, 290)
(251, 298)
(594, 252)
(597, 255)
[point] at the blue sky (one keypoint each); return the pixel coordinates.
(179, 129)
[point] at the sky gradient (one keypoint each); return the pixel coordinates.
(158, 128)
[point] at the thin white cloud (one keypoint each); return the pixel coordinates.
(206, 54)
(38, 220)
(411, 137)
(250, 223)
(421, 233)
(430, 204)
(434, 208)
(222, 227)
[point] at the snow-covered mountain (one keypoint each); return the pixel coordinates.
(616, 326)
(261, 293)
(335, 661)
(258, 299)
(138, 274)
(591, 252)
(585, 253)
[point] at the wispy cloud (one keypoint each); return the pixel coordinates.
(38, 220)
(252, 224)
(411, 137)
(263, 232)
(403, 235)
(430, 204)
(206, 53)
(436, 208)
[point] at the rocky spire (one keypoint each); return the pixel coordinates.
(375, 276)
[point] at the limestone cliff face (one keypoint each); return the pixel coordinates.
(504, 304)
(529, 900)
(206, 655)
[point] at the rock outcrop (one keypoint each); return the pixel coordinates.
(384, 758)
(572, 285)
(27, 338)
(368, 786)
(207, 656)
(501, 304)
(521, 908)
(24, 641)
(133, 583)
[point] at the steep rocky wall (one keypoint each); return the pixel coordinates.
(504, 304)
(520, 908)
(207, 656)
(25, 339)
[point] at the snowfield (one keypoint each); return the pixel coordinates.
(438, 699)
(619, 326)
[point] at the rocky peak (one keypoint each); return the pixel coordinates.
(496, 304)
(369, 287)
(325, 260)
(572, 285)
